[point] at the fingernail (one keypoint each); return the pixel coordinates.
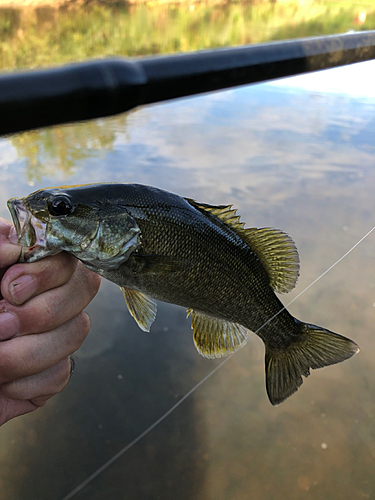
(22, 289)
(9, 326)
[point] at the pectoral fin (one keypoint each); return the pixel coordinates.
(157, 264)
(215, 337)
(141, 307)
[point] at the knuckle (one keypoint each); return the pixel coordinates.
(54, 270)
(14, 364)
(41, 401)
(80, 329)
(95, 283)
(49, 272)
(64, 262)
(57, 261)
(60, 375)
(41, 320)
(89, 280)
(39, 387)
(85, 322)
(7, 366)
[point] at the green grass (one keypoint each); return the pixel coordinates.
(40, 37)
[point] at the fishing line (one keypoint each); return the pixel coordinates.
(193, 389)
(316, 280)
(144, 433)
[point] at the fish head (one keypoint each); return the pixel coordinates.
(80, 220)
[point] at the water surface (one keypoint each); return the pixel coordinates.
(286, 157)
(299, 156)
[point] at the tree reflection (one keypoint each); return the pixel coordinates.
(60, 150)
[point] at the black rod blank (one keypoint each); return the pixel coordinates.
(106, 87)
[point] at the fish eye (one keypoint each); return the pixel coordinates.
(60, 205)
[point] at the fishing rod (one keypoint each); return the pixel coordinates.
(104, 87)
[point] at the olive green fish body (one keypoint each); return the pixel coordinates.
(226, 278)
(158, 245)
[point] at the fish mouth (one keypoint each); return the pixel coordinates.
(31, 231)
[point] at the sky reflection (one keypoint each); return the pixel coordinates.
(293, 155)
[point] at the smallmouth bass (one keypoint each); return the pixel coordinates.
(158, 245)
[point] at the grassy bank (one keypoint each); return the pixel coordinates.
(44, 36)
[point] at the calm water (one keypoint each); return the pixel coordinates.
(291, 156)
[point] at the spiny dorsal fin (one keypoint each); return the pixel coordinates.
(141, 307)
(275, 249)
(215, 337)
(225, 213)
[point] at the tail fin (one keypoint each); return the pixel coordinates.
(315, 348)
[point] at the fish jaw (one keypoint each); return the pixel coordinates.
(31, 232)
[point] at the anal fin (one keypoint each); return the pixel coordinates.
(142, 307)
(214, 337)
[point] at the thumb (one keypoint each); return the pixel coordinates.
(9, 250)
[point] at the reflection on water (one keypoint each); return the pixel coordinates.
(58, 151)
(294, 159)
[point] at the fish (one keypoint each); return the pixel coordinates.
(157, 245)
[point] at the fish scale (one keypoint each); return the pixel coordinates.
(157, 245)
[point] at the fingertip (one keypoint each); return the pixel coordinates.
(5, 225)
(8, 233)
(22, 289)
(16, 286)
(13, 236)
(9, 253)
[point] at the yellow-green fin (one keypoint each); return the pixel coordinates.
(141, 307)
(215, 337)
(315, 347)
(278, 254)
(274, 248)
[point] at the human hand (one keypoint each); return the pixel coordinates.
(41, 324)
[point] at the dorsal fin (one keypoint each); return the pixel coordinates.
(278, 254)
(275, 249)
(225, 213)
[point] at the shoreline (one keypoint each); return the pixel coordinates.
(56, 4)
